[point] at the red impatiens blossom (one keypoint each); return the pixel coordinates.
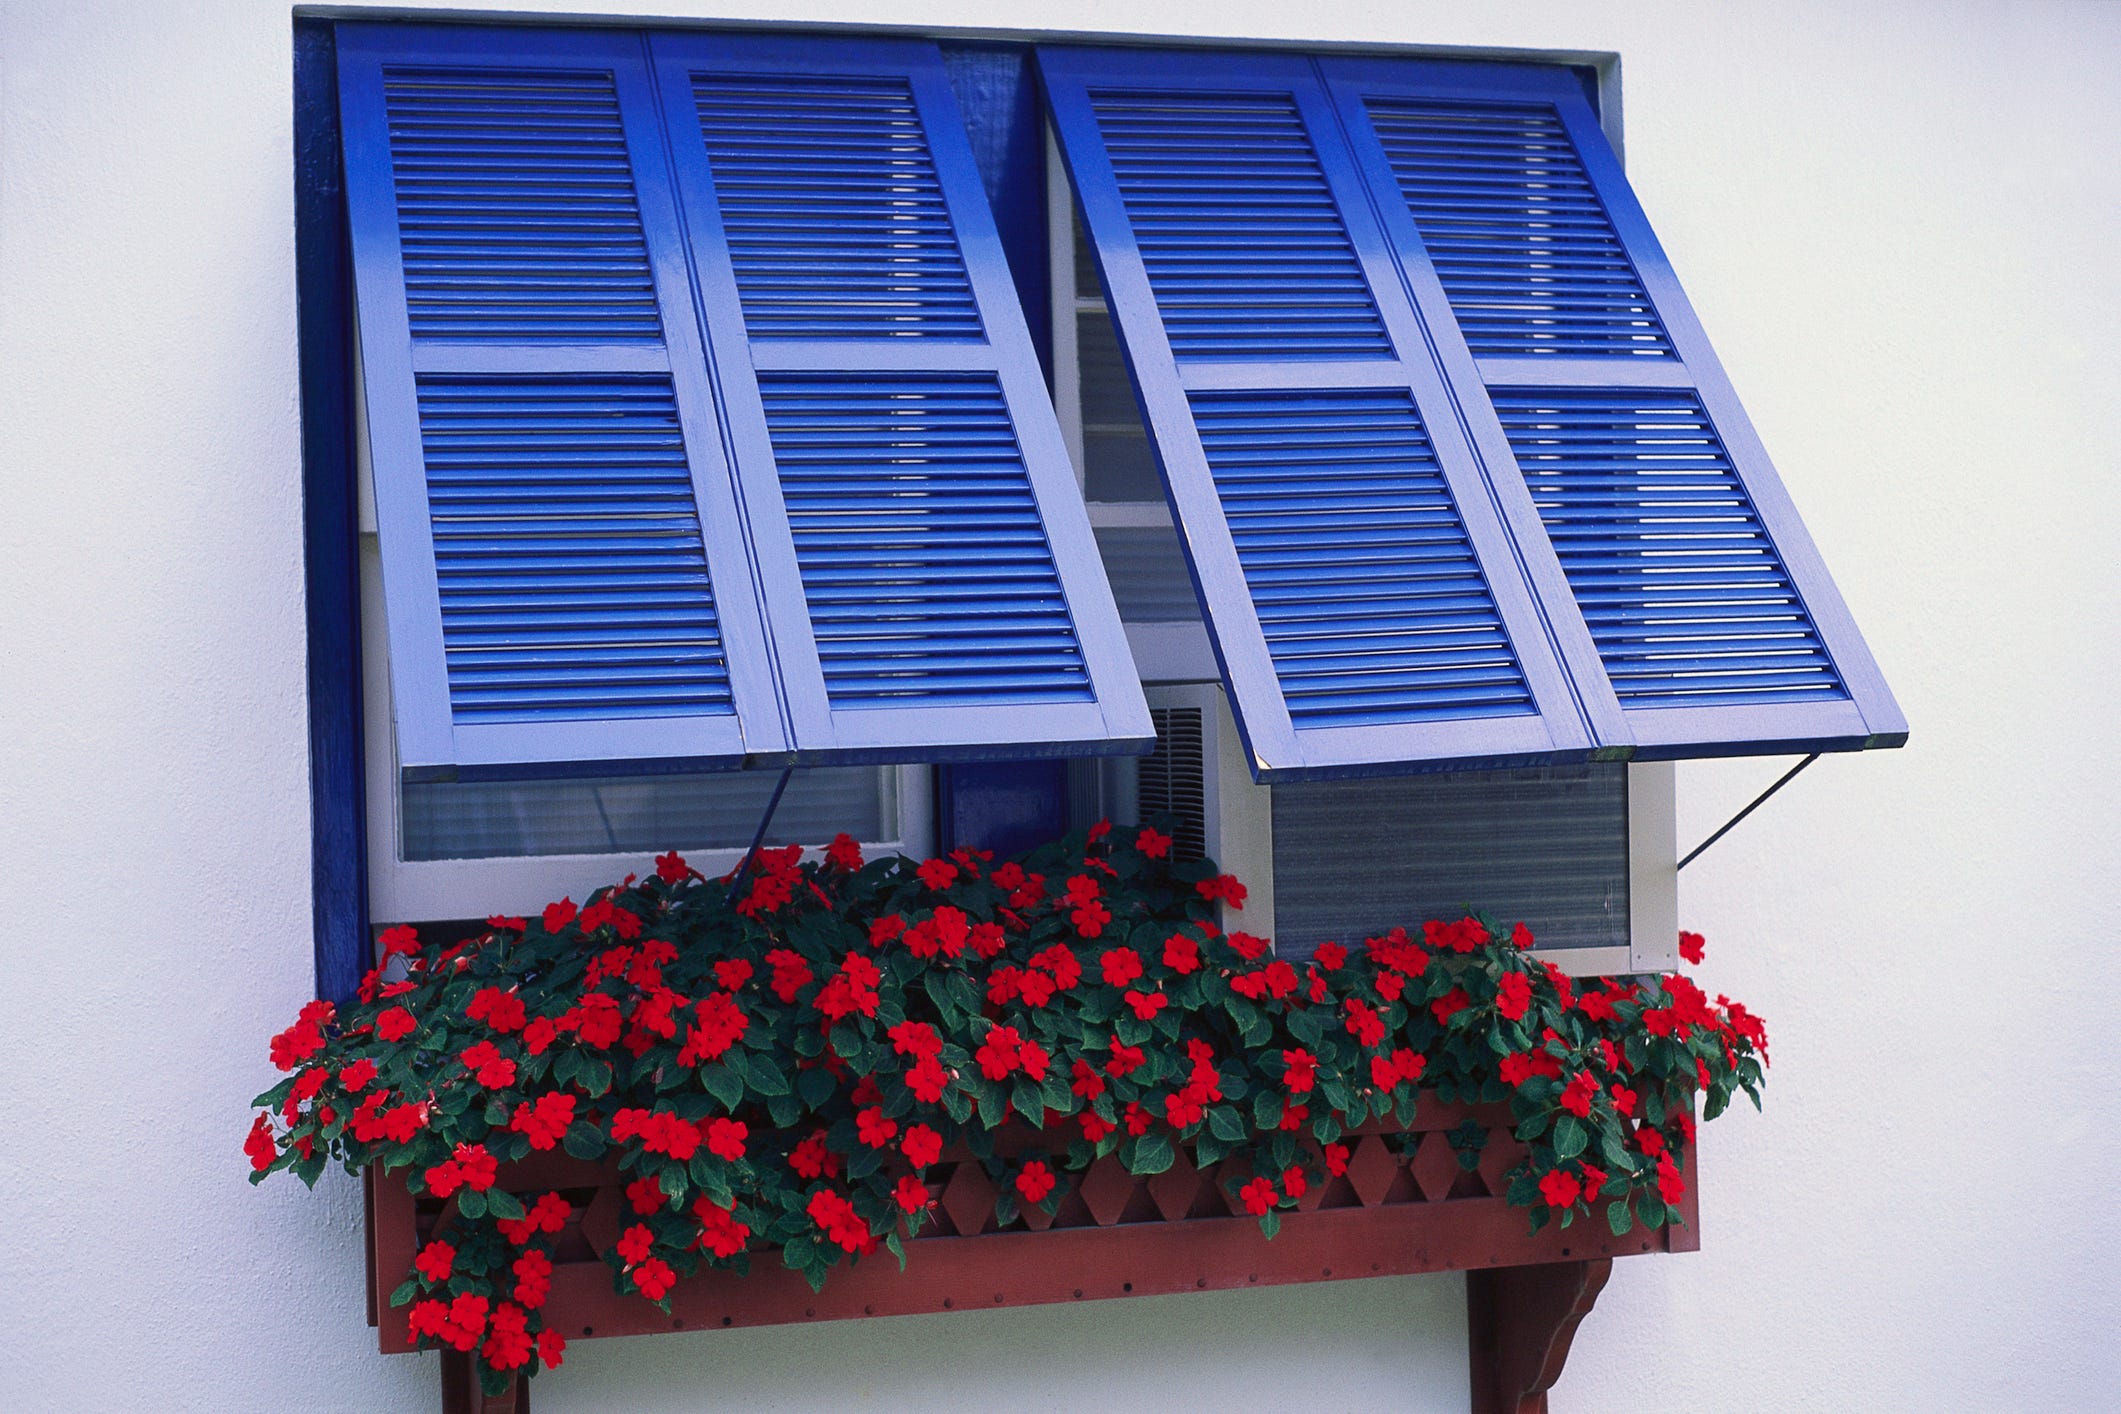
(733, 972)
(436, 1261)
(559, 915)
(355, 1077)
(646, 1196)
(1363, 1023)
(1336, 1159)
(1090, 917)
(1403, 1066)
(1095, 1127)
(457, 1323)
(468, 1166)
(1580, 1094)
(654, 1278)
(486, 1063)
(852, 989)
(1249, 947)
(400, 939)
(1084, 1082)
(1145, 1005)
(1450, 1004)
(501, 1010)
(1181, 954)
(720, 1232)
(1035, 1181)
(837, 1219)
(1258, 1196)
(943, 934)
(790, 973)
(548, 1215)
(1294, 1183)
(720, 1023)
(634, 1244)
(1593, 1180)
(1649, 1139)
(911, 1193)
(1624, 1100)
(298, 1042)
(873, 1128)
(1330, 956)
(1125, 1059)
(258, 1144)
(1224, 887)
(725, 1137)
(544, 1121)
(552, 1347)
(533, 1274)
(1522, 1066)
(1152, 845)
(1464, 936)
(1182, 1109)
(660, 1132)
(927, 1080)
(811, 1159)
(1513, 996)
(1692, 947)
(1670, 1186)
(1120, 966)
(921, 1145)
(1597, 1005)
(1000, 1054)
(1299, 1071)
(937, 874)
(1560, 1190)
(844, 853)
(671, 868)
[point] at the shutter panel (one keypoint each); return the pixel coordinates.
(1361, 592)
(565, 585)
(931, 583)
(1611, 436)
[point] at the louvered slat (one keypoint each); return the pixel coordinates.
(926, 568)
(568, 550)
(1374, 605)
(1684, 592)
(1521, 242)
(516, 207)
(1237, 227)
(834, 214)
(1172, 780)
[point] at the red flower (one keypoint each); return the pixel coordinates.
(921, 1145)
(1151, 844)
(1258, 1196)
(548, 1215)
(671, 868)
(1181, 954)
(1336, 1159)
(1120, 966)
(1183, 1109)
(559, 915)
(492, 1069)
(927, 1080)
(1450, 1004)
(1513, 996)
(1650, 1141)
(937, 874)
(1330, 956)
(1597, 1005)
(1095, 1128)
(721, 1024)
(1560, 1190)
(355, 1077)
(1299, 1071)
(401, 939)
(1224, 887)
(500, 1010)
(1670, 1186)
(1624, 1100)
(1125, 1059)
(436, 1261)
(1582, 1091)
(873, 1128)
(725, 1138)
(1000, 1053)
(635, 1244)
(552, 1346)
(837, 1219)
(1294, 1183)
(1146, 1004)
(911, 1193)
(544, 1121)
(1520, 936)
(645, 1196)
(1248, 947)
(1593, 1180)
(844, 852)
(654, 1278)
(811, 1159)
(533, 1272)
(733, 973)
(1035, 1181)
(258, 1144)
(1363, 1022)
(1692, 946)
(720, 1232)
(297, 1044)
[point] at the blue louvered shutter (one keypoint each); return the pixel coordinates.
(1360, 590)
(927, 566)
(564, 580)
(1611, 436)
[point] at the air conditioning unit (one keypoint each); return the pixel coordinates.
(1584, 855)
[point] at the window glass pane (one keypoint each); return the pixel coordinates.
(1148, 573)
(1118, 464)
(1547, 847)
(632, 815)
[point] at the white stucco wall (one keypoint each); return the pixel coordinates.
(1900, 225)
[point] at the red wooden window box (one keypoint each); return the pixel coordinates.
(1401, 1208)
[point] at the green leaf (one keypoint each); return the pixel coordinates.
(898, 1248)
(1224, 1122)
(500, 1203)
(471, 1203)
(1207, 1149)
(1266, 1110)
(1270, 1223)
(1152, 1155)
(407, 1289)
(1307, 1028)
(815, 1086)
(1617, 1218)
(724, 1084)
(673, 1183)
(1569, 1137)
(785, 1110)
(767, 1078)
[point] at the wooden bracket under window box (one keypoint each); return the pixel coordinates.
(1405, 1205)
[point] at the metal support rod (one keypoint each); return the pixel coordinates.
(1758, 801)
(758, 839)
